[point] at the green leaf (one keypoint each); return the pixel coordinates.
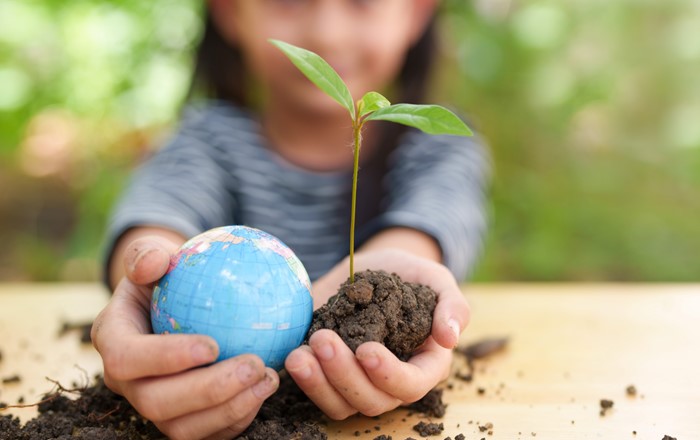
(319, 72)
(432, 119)
(372, 101)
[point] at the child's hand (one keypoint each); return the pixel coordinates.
(157, 374)
(372, 380)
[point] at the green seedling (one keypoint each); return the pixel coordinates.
(432, 119)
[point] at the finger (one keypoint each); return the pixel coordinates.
(147, 259)
(451, 316)
(347, 376)
(406, 381)
(128, 352)
(194, 390)
(304, 368)
(137, 356)
(227, 419)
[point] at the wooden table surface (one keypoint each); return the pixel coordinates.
(570, 346)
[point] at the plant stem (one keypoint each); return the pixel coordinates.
(356, 132)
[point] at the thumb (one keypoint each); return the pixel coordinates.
(450, 317)
(147, 259)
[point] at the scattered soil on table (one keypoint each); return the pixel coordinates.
(605, 406)
(479, 350)
(97, 414)
(668, 437)
(15, 378)
(428, 429)
(83, 328)
(379, 307)
(631, 391)
(431, 404)
(484, 348)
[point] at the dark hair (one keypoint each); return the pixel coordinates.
(220, 74)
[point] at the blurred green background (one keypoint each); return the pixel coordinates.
(591, 109)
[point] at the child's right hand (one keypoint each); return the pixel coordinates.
(157, 374)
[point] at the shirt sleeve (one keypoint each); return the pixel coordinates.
(182, 187)
(438, 185)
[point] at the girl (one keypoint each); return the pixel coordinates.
(271, 151)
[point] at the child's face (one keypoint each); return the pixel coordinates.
(365, 41)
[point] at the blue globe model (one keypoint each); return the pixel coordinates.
(241, 286)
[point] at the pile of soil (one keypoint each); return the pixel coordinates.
(97, 414)
(379, 307)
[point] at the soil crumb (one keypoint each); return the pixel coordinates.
(476, 351)
(83, 328)
(431, 404)
(668, 437)
(605, 405)
(15, 378)
(379, 307)
(631, 390)
(428, 429)
(484, 348)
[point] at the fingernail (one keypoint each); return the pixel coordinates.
(370, 360)
(265, 387)
(139, 256)
(454, 325)
(203, 353)
(245, 372)
(302, 373)
(325, 351)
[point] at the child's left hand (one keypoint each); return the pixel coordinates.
(372, 380)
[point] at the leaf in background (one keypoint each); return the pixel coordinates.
(372, 101)
(319, 72)
(432, 119)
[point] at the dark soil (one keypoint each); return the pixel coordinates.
(431, 404)
(483, 348)
(428, 429)
(605, 406)
(15, 378)
(96, 414)
(379, 307)
(479, 350)
(287, 415)
(83, 328)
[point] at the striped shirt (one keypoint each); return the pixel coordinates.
(217, 170)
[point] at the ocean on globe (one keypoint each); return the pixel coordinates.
(241, 286)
